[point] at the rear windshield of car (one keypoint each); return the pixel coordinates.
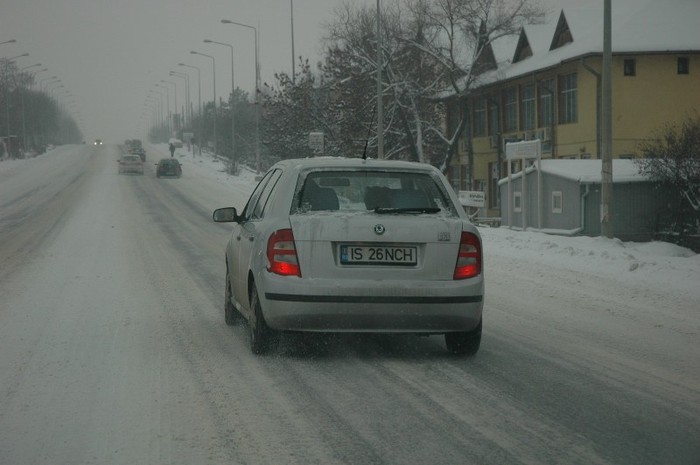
(380, 191)
(132, 158)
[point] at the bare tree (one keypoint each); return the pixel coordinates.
(674, 159)
(407, 77)
(461, 33)
(433, 52)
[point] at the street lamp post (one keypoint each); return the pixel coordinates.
(7, 94)
(158, 115)
(213, 61)
(291, 9)
(32, 108)
(233, 117)
(380, 100)
(186, 77)
(24, 121)
(199, 92)
(163, 124)
(18, 56)
(154, 107)
(257, 91)
(167, 101)
(175, 95)
(57, 83)
(48, 79)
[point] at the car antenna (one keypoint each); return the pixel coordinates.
(369, 131)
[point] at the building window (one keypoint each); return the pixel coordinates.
(546, 107)
(494, 119)
(557, 202)
(630, 68)
(527, 107)
(455, 177)
(683, 65)
(510, 110)
(517, 202)
(568, 91)
(480, 117)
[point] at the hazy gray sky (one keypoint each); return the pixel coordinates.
(109, 54)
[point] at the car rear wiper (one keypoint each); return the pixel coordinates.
(386, 210)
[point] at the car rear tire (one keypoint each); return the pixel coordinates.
(464, 343)
(231, 315)
(261, 336)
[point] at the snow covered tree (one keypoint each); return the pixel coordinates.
(461, 33)
(407, 79)
(295, 107)
(674, 159)
(243, 108)
(433, 52)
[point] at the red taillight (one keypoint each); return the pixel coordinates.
(282, 254)
(469, 257)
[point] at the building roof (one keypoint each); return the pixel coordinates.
(588, 171)
(638, 26)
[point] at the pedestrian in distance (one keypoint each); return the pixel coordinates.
(172, 149)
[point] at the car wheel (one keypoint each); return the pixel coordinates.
(464, 343)
(231, 315)
(261, 336)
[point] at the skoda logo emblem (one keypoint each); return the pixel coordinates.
(379, 229)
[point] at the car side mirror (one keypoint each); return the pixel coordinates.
(225, 215)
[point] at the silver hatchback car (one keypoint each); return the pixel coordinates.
(353, 245)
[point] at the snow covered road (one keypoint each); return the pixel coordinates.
(113, 348)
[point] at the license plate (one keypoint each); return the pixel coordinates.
(378, 255)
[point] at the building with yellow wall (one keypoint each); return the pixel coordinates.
(547, 86)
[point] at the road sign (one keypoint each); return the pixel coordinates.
(316, 141)
(524, 149)
(472, 198)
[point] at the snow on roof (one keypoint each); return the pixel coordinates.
(588, 171)
(637, 26)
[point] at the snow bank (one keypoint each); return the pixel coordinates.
(653, 264)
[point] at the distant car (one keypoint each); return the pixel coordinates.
(352, 245)
(98, 141)
(129, 163)
(169, 167)
(176, 142)
(138, 151)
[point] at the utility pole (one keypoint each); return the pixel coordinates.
(606, 195)
(380, 104)
(291, 5)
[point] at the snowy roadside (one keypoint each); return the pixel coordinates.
(651, 264)
(654, 264)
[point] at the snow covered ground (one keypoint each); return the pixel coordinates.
(113, 346)
(655, 264)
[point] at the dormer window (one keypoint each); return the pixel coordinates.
(562, 34)
(523, 50)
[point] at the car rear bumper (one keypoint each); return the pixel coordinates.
(373, 307)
